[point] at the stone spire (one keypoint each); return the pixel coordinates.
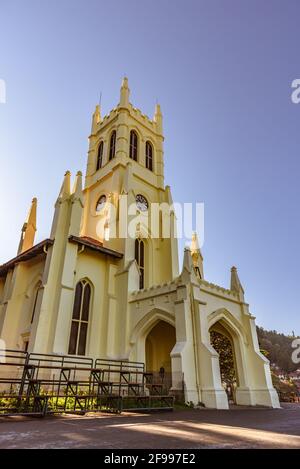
(65, 190)
(187, 260)
(188, 272)
(76, 206)
(158, 119)
(96, 119)
(61, 205)
(28, 229)
(197, 256)
(124, 93)
(235, 284)
(77, 188)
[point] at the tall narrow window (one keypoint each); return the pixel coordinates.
(112, 145)
(140, 259)
(133, 147)
(99, 156)
(81, 308)
(149, 156)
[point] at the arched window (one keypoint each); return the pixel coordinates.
(149, 156)
(35, 301)
(133, 147)
(99, 156)
(101, 203)
(140, 259)
(81, 309)
(112, 145)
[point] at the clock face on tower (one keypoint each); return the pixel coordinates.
(141, 203)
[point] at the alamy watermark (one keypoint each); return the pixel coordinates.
(120, 218)
(2, 91)
(295, 96)
(296, 352)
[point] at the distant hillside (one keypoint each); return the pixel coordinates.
(278, 349)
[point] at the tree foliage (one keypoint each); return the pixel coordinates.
(278, 349)
(222, 345)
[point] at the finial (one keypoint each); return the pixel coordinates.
(157, 109)
(158, 118)
(235, 284)
(77, 188)
(187, 260)
(197, 256)
(195, 243)
(66, 185)
(28, 229)
(124, 93)
(96, 118)
(125, 82)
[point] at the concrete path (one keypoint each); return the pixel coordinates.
(236, 428)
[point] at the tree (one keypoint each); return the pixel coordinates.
(278, 348)
(223, 346)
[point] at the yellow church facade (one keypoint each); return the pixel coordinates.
(107, 284)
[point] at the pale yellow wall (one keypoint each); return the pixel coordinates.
(19, 303)
(95, 268)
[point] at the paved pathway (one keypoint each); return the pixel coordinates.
(236, 428)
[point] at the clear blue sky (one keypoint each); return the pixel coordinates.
(222, 71)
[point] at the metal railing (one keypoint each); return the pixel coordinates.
(41, 384)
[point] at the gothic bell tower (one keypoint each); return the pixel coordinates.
(125, 178)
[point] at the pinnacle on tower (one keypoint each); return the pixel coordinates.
(76, 207)
(124, 93)
(187, 260)
(235, 284)
(65, 190)
(61, 204)
(77, 188)
(197, 255)
(195, 243)
(158, 118)
(96, 118)
(28, 229)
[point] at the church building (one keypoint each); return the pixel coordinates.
(104, 287)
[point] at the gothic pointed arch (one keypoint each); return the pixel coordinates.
(149, 155)
(133, 145)
(100, 155)
(225, 324)
(229, 321)
(112, 145)
(80, 318)
(149, 320)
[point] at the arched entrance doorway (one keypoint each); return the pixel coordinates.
(223, 342)
(159, 344)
